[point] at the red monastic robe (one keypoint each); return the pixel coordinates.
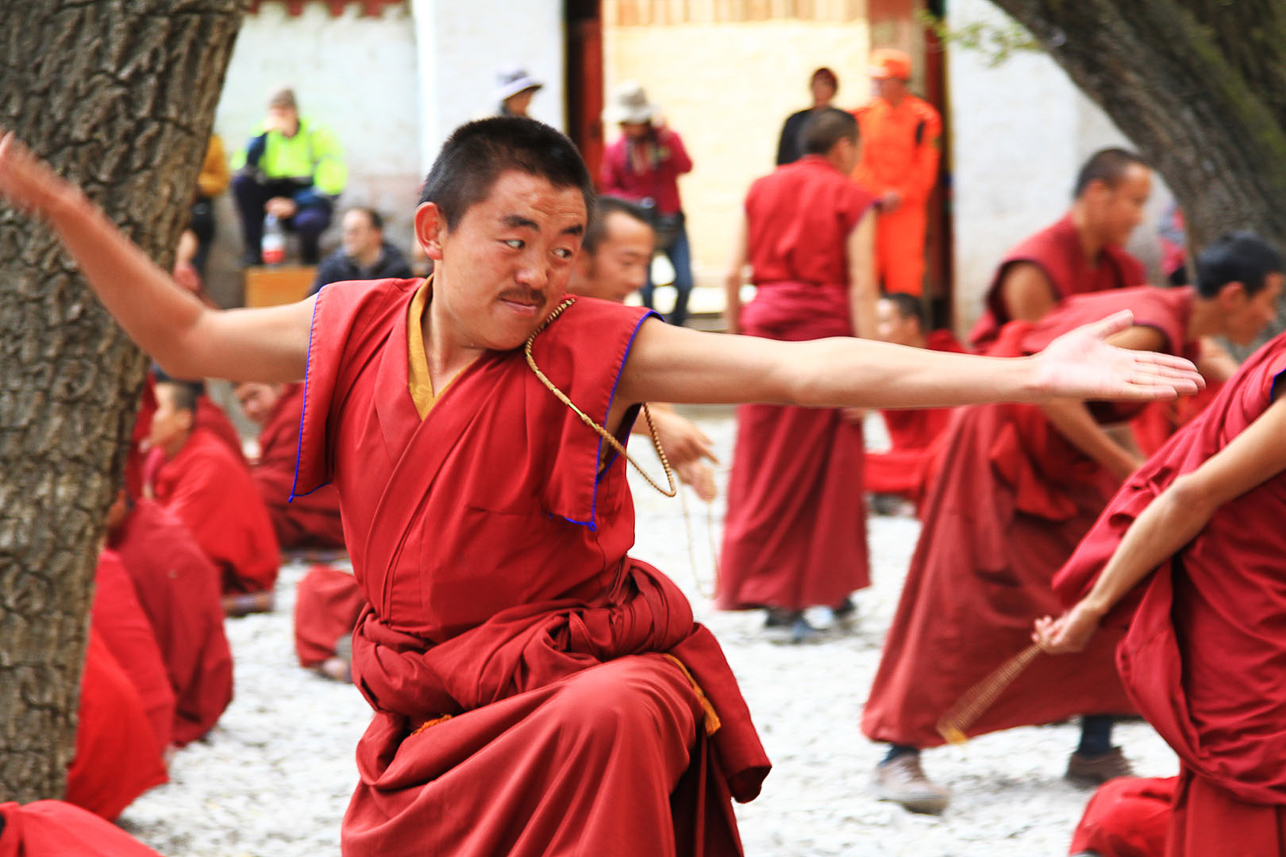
(123, 626)
(913, 434)
(524, 671)
(327, 604)
(213, 419)
(1203, 659)
(1126, 817)
(52, 828)
(795, 529)
(215, 497)
(178, 588)
(310, 521)
(117, 754)
(1056, 249)
(1011, 500)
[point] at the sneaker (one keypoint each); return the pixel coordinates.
(1095, 770)
(902, 780)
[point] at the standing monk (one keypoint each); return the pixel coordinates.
(1017, 489)
(795, 530)
(1193, 547)
(571, 703)
(899, 164)
(1083, 252)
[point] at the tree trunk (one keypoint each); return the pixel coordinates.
(119, 95)
(1198, 85)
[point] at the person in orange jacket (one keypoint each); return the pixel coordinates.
(899, 164)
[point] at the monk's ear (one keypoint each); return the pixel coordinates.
(430, 229)
(1231, 296)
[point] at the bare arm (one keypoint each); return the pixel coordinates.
(1175, 518)
(863, 293)
(1027, 292)
(669, 363)
(736, 277)
(188, 339)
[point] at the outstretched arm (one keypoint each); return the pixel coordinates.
(188, 339)
(673, 364)
(1171, 521)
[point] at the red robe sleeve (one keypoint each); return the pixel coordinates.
(312, 520)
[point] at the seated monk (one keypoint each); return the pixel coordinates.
(52, 828)
(177, 586)
(1189, 557)
(310, 521)
(213, 494)
(117, 754)
(122, 625)
(209, 415)
(1127, 817)
(613, 264)
(536, 690)
(900, 471)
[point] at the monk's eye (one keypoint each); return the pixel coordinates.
(515, 243)
(563, 253)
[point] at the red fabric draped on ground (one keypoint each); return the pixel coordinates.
(795, 529)
(1058, 252)
(214, 496)
(117, 755)
(1010, 503)
(327, 604)
(492, 550)
(178, 589)
(1127, 817)
(1202, 658)
(308, 521)
(913, 434)
(123, 626)
(52, 828)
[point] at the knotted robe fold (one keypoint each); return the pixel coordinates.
(1010, 502)
(491, 547)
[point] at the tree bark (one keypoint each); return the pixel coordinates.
(1199, 86)
(119, 96)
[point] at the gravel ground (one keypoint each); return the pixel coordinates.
(274, 777)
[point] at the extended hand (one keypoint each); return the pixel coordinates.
(682, 441)
(1081, 365)
(1069, 633)
(700, 477)
(26, 181)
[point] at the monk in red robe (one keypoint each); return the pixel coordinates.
(117, 754)
(1017, 489)
(901, 470)
(212, 493)
(310, 521)
(178, 588)
(536, 690)
(1191, 553)
(328, 602)
(119, 620)
(1081, 253)
(795, 530)
(52, 828)
(1127, 817)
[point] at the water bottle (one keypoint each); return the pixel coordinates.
(273, 247)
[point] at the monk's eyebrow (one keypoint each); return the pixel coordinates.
(517, 221)
(578, 229)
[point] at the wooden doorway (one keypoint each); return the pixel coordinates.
(584, 22)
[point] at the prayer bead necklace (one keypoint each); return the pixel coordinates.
(587, 420)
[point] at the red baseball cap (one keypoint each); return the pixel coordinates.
(887, 63)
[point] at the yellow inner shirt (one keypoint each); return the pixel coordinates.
(419, 381)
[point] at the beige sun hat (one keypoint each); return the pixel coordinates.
(629, 104)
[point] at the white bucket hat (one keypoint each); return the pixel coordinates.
(629, 104)
(511, 81)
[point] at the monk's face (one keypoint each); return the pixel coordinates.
(506, 264)
(892, 326)
(1247, 316)
(1119, 208)
(257, 400)
(170, 425)
(619, 266)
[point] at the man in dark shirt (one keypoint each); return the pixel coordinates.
(824, 84)
(363, 254)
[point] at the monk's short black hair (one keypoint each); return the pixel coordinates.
(183, 394)
(825, 128)
(1237, 257)
(907, 306)
(475, 155)
(605, 206)
(1108, 166)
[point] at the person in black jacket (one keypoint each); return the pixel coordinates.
(363, 254)
(824, 85)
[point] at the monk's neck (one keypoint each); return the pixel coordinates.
(175, 445)
(1091, 245)
(1206, 319)
(446, 349)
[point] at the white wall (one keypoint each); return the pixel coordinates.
(1020, 132)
